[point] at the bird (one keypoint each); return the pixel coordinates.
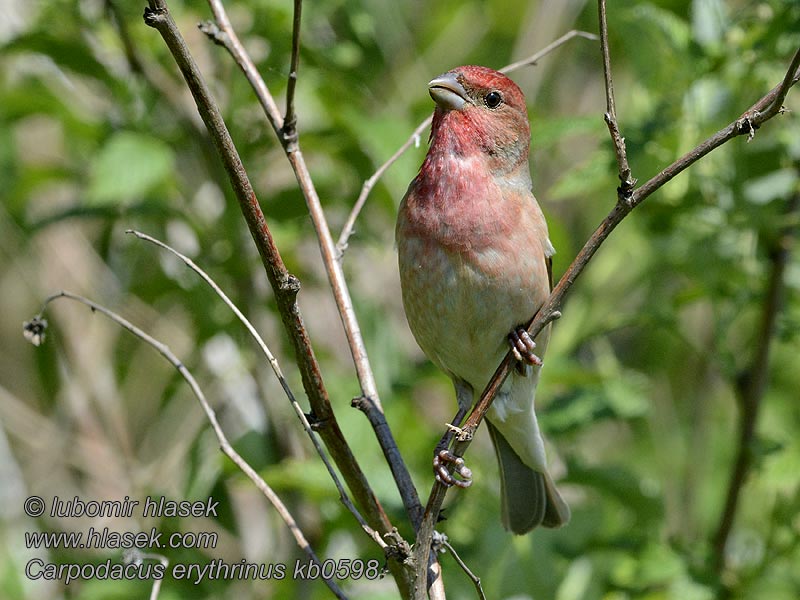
(475, 257)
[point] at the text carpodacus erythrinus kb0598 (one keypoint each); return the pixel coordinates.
(474, 257)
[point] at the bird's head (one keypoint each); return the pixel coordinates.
(480, 110)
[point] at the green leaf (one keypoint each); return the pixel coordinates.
(549, 132)
(778, 184)
(709, 21)
(589, 178)
(70, 54)
(127, 167)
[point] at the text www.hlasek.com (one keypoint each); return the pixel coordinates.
(105, 538)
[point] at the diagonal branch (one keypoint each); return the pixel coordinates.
(752, 383)
(211, 415)
(369, 400)
(284, 285)
(343, 497)
(534, 58)
(349, 225)
(759, 113)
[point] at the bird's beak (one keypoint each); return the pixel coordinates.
(447, 92)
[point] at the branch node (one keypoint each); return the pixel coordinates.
(455, 429)
(290, 285)
(289, 134)
(360, 402)
(439, 542)
(398, 549)
(153, 17)
(625, 191)
(314, 422)
(341, 248)
(746, 125)
(35, 330)
(466, 434)
(214, 33)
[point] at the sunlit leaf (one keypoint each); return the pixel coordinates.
(128, 166)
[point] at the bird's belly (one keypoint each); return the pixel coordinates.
(459, 309)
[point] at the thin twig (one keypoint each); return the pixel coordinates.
(349, 226)
(343, 497)
(551, 308)
(369, 400)
(474, 578)
(538, 55)
(289, 129)
(626, 180)
(211, 415)
(156, 589)
(284, 285)
(752, 383)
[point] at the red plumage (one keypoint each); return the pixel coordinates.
(474, 256)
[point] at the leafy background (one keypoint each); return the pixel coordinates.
(98, 135)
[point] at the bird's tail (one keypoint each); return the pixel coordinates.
(529, 498)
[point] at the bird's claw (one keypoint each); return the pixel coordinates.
(522, 346)
(441, 460)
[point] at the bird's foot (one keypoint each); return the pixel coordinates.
(461, 475)
(522, 346)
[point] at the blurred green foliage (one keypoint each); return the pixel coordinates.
(638, 398)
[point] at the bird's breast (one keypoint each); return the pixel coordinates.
(461, 304)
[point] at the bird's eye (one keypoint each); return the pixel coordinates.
(493, 99)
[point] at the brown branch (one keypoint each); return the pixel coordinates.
(211, 415)
(369, 400)
(289, 129)
(284, 285)
(349, 225)
(343, 497)
(626, 180)
(760, 112)
(752, 383)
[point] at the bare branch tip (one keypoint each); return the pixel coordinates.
(35, 330)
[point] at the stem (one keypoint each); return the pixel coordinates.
(343, 497)
(551, 309)
(284, 285)
(224, 444)
(369, 400)
(752, 383)
(627, 181)
(289, 129)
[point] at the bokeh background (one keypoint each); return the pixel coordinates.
(639, 394)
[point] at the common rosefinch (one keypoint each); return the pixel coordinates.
(474, 258)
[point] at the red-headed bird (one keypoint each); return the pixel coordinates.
(474, 256)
